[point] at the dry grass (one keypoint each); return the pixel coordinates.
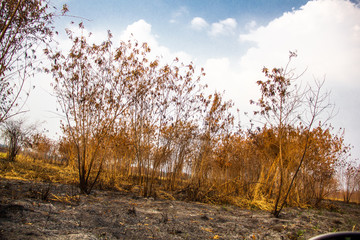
(26, 168)
(261, 204)
(68, 199)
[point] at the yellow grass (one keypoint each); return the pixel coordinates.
(251, 204)
(69, 199)
(26, 168)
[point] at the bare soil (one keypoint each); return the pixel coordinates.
(34, 210)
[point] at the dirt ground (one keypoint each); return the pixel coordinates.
(30, 210)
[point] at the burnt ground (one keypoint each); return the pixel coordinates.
(30, 210)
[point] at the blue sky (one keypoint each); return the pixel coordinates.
(233, 40)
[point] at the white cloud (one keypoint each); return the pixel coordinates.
(223, 27)
(199, 23)
(141, 31)
(215, 69)
(325, 34)
(222, 74)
